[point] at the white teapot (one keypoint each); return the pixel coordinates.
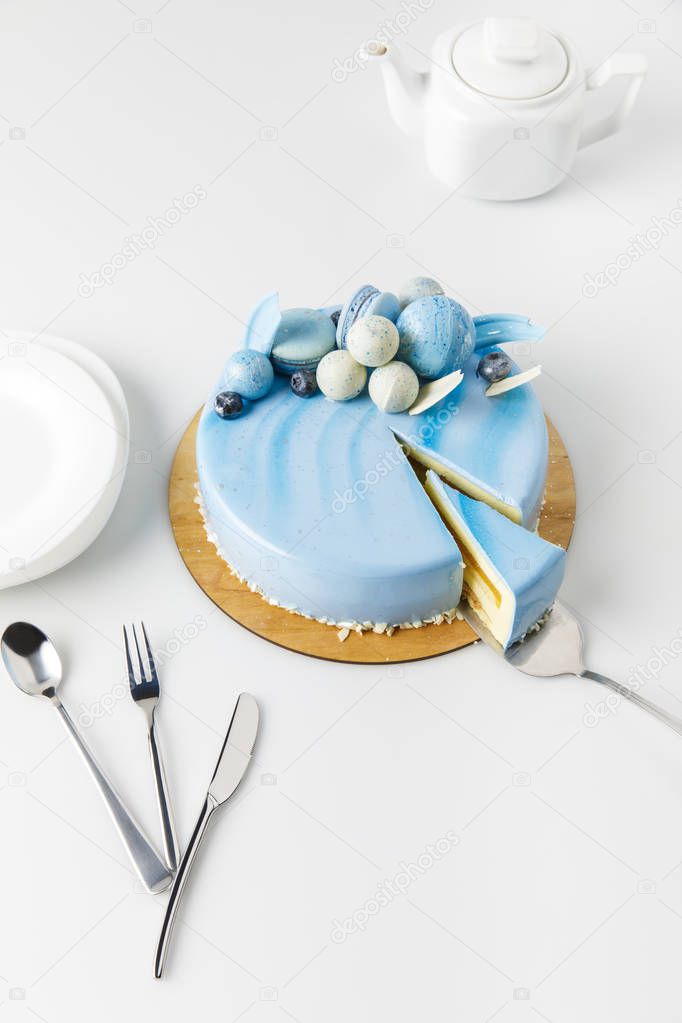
(501, 110)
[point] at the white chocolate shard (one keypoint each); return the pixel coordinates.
(434, 391)
(509, 383)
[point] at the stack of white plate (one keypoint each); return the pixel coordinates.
(64, 434)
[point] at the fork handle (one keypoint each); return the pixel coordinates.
(634, 697)
(180, 882)
(169, 836)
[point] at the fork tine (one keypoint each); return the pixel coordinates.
(131, 673)
(143, 673)
(150, 655)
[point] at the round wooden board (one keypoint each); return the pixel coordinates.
(312, 638)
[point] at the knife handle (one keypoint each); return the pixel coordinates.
(179, 883)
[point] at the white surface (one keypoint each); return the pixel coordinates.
(566, 884)
(64, 424)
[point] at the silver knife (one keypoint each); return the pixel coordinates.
(231, 767)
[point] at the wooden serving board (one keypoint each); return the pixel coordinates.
(309, 637)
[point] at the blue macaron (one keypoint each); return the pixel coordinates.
(366, 301)
(437, 336)
(303, 337)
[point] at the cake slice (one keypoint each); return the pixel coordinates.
(511, 575)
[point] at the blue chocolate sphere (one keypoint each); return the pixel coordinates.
(437, 336)
(249, 373)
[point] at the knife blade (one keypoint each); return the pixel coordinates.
(237, 749)
(233, 760)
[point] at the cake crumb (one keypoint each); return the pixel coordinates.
(343, 634)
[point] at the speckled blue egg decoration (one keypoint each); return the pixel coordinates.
(373, 340)
(418, 287)
(394, 387)
(249, 373)
(340, 377)
(303, 337)
(437, 336)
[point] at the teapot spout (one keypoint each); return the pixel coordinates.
(405, 87)
(501, 328)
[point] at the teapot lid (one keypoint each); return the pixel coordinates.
(510, 58)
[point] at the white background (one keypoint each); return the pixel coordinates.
(562, 899)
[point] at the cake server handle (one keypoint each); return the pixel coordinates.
(180, 881)
(630, 694)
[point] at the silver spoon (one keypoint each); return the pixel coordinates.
(34, 666)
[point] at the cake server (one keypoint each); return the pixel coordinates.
(34, 666)
(144, 689)
(230, 769)
(556, 648)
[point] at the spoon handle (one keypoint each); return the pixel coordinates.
(151, 870)
(634, 697)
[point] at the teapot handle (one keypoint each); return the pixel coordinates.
(632, 66)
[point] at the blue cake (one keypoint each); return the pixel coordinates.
(318, 505)
(511, 575)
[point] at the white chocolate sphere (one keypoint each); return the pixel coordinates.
(394, 387)
(418, 287)
(373, 340)
(339, 376)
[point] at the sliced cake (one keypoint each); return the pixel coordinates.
(511, 575)
(304, 483)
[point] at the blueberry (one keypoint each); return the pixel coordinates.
(229, 404)
(303, 382)
(494, 366)
(334, 317)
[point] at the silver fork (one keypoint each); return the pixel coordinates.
(556, 648)
(144, 689)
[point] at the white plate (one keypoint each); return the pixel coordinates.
(63, 453)
(101, 374)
